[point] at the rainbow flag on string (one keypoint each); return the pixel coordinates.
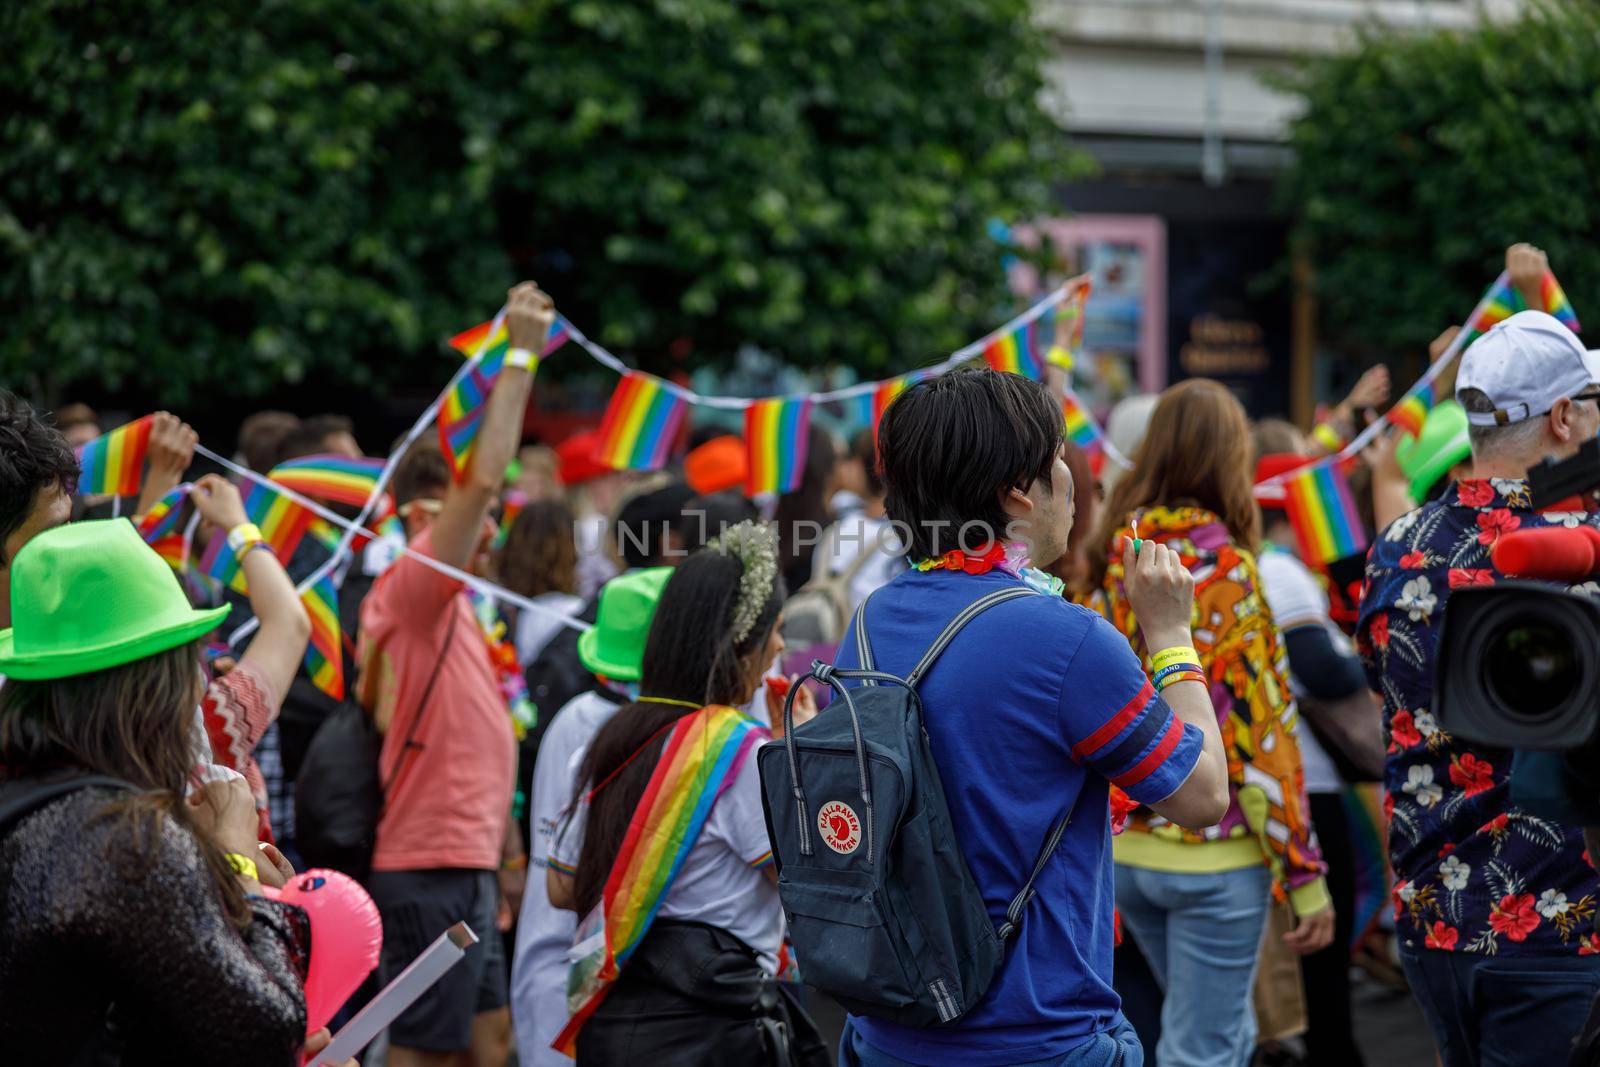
(324, 657)
(1079, 424)
(1412, 409)
(1502, 300)
(282, 522)
(703, 754)
(1323, 514)
(511, 506)
(114, 462)
(159, 527)
(641, 423)
(1012, 352)
(337, 478)
(775, 433)
(888, 390)
(461, 412)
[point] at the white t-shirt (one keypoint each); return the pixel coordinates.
(544, 932)
(1297, 599)
(722, 882)
(844, 542)
(536, 628)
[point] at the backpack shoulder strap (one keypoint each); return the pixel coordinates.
(957, 624)
(24, 796)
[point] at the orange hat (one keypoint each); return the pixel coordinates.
(1270, 466)
(576, 458)
(718, 464)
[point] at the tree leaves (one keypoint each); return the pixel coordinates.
(237, 194)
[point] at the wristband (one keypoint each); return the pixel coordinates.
(244, 865)
(1326, 436)
(257, 544)
(1176, 654)
(521, 358)
(243, 536)
(1167, 675)
(519, 863)
(1059, 357)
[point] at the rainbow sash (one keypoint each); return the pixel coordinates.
(703, 753)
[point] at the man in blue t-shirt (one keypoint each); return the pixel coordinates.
(1033, 710)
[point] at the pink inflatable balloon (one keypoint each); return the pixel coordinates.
(346, 938)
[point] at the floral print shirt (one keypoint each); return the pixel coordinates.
(1473, 873)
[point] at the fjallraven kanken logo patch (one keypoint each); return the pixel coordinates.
(841, 830)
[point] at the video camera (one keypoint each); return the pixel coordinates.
(1518, 663)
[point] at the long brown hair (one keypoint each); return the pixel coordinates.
(132, 722)
(1197, 450)
(540, 555)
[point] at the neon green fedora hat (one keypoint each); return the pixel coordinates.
(92, 595)
(615, 647)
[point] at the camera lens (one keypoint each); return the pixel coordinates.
(1531, 667)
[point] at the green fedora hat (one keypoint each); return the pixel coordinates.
(1442, 444)
(92, 595)
(615, 646)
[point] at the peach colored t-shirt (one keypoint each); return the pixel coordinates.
(451, 792)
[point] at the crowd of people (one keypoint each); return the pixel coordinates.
(1194, 706)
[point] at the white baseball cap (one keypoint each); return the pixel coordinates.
(1524, 365)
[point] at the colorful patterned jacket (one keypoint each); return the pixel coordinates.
(1247, 670)
(1473, 872)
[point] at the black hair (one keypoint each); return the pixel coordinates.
(688, 656)
(423, 471)
(310, 437)
(952, 445)
(33, 457)
(865, 450)
(643, 523)
(708, 514)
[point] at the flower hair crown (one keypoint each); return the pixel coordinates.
(755, 546)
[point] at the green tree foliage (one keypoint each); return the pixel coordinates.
(197, 198)
(1419, 159)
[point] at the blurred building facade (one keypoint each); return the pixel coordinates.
(1168, 96)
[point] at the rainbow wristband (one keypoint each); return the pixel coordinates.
(1176, 654)
(1175, 673)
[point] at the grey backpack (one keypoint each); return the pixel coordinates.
(883, 912)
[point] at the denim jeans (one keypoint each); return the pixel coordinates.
(1202, 936)
(1499, 1011)
(1116, 1047)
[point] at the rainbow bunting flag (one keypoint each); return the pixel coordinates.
(1323, 514)
(511, 506)
(1502, 300)
(114, 462)
(1013, 353)
(887, 391)
(1080, 427)
(775, 433)
(159, 527)
(324, 657)
(1412, 409)
(461, 413)
(337, 478)
(282, 522)
(641, 423)
(702, 755)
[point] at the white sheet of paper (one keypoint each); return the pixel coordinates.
(398, 995)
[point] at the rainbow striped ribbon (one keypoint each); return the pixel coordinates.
(328, 477)
(702, 756)
(641, 424)
(775, 433)
(113, 463)
(324, 657)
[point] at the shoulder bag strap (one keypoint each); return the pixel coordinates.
(422, 707)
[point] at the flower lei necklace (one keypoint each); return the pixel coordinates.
(1011, 558)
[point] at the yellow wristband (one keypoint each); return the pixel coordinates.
(521, 359)
(1176, 654)
(1059, 356)
(1327, 437)
(244, 865)
(243, 536)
